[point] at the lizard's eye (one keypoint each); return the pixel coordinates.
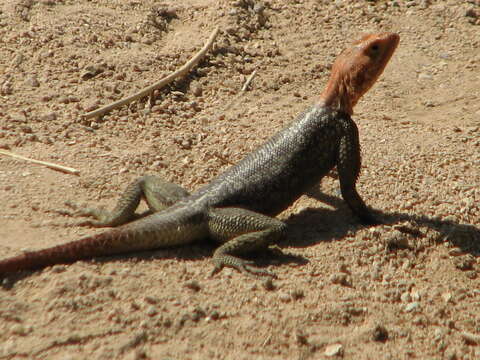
(374, 50)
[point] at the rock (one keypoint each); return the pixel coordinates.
(341, 279)
(152, 311)
(193, 285)
(470, 338)
(471, 274)
(415, 296)
(151, 299)
(7, 88)
(464, 262)
(284, 297)
(412, 307)
(18, 329)
(450, 354)
(405, 297)
(51, 116)
(423, 76)
(379, 333)
(198, 313)
(334, 350)
(447, 297)
(269, 285)
(26, 129)
(196, 89)
(472, 13)
(91, 106)
(397, 240)
(19, 58)
(455, 252)
(92, 71)
(32, 81)
(301, 337)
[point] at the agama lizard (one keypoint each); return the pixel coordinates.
(237, 208)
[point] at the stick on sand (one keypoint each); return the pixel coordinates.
(161, 83)
(50, 165)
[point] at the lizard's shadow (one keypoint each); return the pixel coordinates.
(314, 225)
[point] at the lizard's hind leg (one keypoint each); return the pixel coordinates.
(241, 231)
(158, 194)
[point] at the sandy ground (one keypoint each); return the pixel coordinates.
(408, 289)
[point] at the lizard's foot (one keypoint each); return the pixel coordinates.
(99, 217)
(79, 210)
(244, 266)
(242, 231)
(71, 210)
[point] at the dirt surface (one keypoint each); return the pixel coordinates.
(407, 289)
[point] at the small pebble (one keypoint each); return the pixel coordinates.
(301, 337)
(269, 285)
(193, 285)
(32, 81)
(58, 268)
(405, 297)
(196, 90)
(397, 240)
(51, 116)
(284, 297)
(334, 350)
(152, 311)
(470, 338)
(91, 106)
(151, 299)
(18, 329)
(380, 333)
(19, 58)
(472, 13)
(412, 307)
(464, 262)
(340, 279)
(447, 297)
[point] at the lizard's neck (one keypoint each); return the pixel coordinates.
(338, 95)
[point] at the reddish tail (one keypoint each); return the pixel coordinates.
(86, 247)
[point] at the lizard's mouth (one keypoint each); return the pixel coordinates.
(390, 42)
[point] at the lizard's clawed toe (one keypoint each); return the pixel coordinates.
(216, 270)
(256, 272)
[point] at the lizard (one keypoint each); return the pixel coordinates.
(237, 209)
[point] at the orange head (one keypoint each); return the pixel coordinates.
(356, 69)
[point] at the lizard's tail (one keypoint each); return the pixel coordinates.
(174, 227)
(87, 247)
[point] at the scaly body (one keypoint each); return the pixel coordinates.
(237, 208)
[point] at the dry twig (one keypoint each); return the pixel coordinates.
(161, 83)
(236, 99)
(248, 81)
(50, 165)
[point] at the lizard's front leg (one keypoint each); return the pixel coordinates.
(158, 194)
(348, 167)
(242, 231)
